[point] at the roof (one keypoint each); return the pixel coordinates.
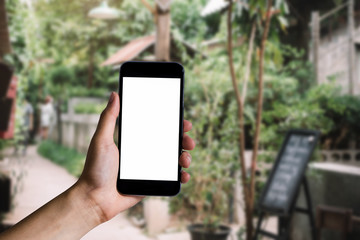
(139, 45)
(130, 50)
(214, 6)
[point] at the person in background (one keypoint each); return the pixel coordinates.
(26, 127)
(46, 116)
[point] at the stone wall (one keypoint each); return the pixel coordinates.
(78, 129)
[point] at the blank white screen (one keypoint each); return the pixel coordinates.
(150, 128)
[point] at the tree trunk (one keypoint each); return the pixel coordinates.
(248, 188)
(162, 44)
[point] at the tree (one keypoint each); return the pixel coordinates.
(248, 183)
(73, 39)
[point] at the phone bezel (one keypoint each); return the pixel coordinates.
(159, 70)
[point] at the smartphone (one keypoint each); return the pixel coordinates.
(150, 128)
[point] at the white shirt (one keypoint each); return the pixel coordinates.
(47, 112)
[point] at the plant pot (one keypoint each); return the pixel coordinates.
(5, 193)
(156, 213)
(200, 232)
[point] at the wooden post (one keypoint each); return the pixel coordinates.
(162, 44)
(351, 46)
(5, 45)
(315, 35)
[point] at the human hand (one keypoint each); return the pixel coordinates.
(99, 177)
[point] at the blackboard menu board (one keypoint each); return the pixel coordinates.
(288, 171)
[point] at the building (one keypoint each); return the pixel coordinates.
(335, 47)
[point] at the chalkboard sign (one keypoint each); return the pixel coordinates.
(287, 174)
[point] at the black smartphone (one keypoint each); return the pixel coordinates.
(150, 128)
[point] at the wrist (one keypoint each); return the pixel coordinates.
(91, 213)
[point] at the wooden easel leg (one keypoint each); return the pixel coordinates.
(284, 228)
(280, 226)
(310, 209)
(258, 225)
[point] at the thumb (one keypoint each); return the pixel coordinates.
(105, 129)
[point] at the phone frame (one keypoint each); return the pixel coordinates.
(156, 70)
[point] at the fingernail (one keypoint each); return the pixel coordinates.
(111, 98)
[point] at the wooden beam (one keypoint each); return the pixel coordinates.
(333, 11)
(162, 43)
(315, 36)
(5, 45)
(351, 27)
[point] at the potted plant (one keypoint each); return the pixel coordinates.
(5, 199)
(204, 201)
(5, 183)
(5, 192)
(9, 185)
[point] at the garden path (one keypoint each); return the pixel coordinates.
(40, 180)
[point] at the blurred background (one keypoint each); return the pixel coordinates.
(59, 61)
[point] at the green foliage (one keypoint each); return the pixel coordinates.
(51, 36)
(70, 159)
(85, 92)
(322, 108)
(3, 144)
(345, 110)
(290, 101)
(208, 102)
(298, 68)
(186, 19)
(57, 47)
(85, 108)
(61, 75)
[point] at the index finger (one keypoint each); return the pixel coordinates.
(187, 125)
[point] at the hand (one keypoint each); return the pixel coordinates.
(98, 180)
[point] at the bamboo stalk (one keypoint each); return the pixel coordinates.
(260, 102)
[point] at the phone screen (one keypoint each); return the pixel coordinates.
(150, 128)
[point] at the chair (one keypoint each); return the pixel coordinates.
(334, 219)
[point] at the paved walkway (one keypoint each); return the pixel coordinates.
(40, 180)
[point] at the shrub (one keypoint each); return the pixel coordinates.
(61, 75)
(68, 158)
(86, 108)
(85, 92)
